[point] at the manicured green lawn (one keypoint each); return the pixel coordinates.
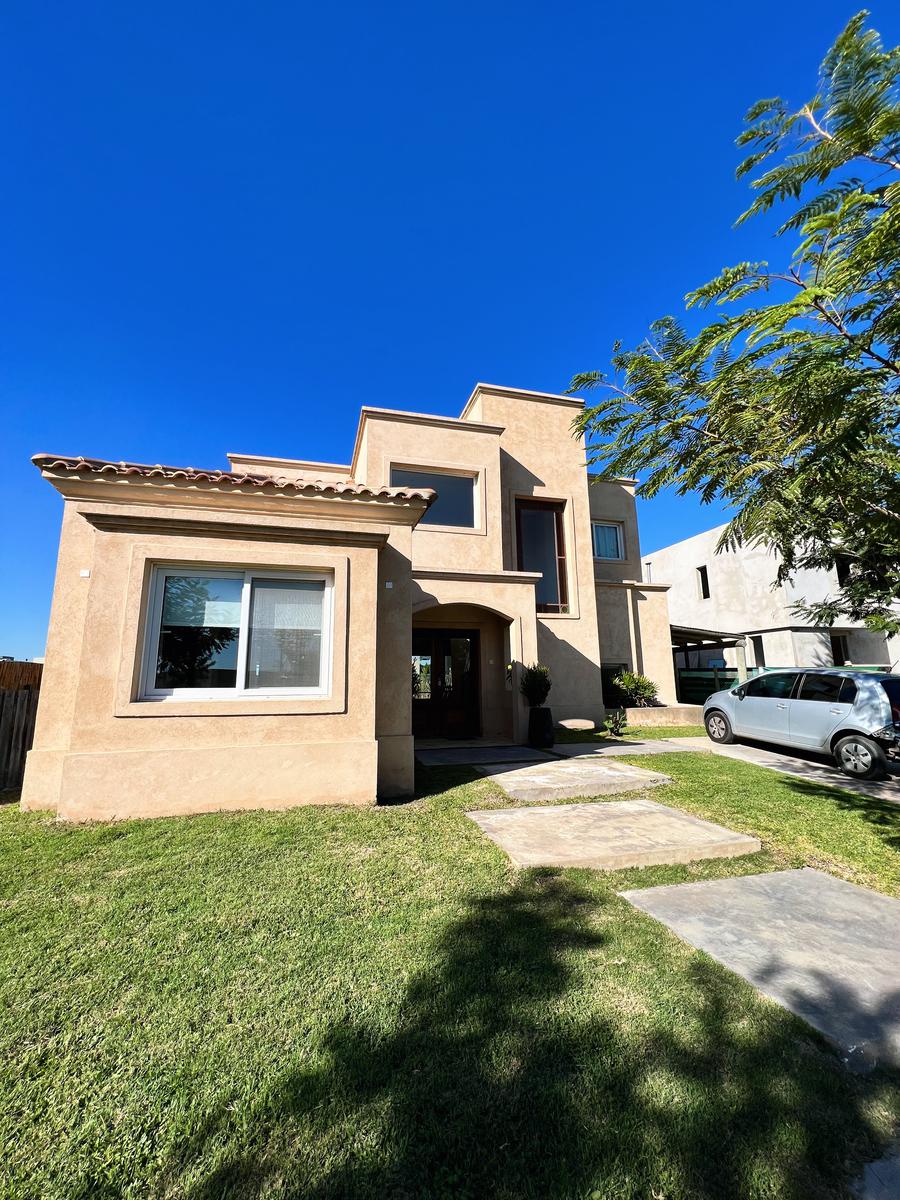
(642, 733)
(331, 1003)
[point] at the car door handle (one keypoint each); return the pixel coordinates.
(837, 711)
(782, 706)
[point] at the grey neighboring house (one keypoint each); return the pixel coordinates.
(732, 593)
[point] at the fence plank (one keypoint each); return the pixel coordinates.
(15, 675)
(17, 714)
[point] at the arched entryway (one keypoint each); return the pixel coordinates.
(460, 680)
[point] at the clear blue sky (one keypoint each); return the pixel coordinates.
(228, 226)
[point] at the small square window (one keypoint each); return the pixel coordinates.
(608, 540)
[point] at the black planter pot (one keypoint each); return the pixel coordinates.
(540, 728)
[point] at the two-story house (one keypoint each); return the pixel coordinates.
(281, 632)
(734, 591)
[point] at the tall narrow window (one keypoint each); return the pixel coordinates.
(285, 633)
(542, 547)
(703, 582)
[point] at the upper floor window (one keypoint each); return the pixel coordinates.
(455, 503)
(542, 547)
(608, 540)
(703, 582)
(220, 634)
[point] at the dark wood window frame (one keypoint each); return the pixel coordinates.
(558, 508)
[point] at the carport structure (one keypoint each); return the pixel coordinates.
(695, 682)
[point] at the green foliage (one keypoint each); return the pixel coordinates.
(535, 684)
(638, 690)
(786, 408)
(616, 722)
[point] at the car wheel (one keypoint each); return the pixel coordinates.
(860, 757)
(718, 727)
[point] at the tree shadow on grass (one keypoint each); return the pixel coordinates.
(883, 814)
(504, 1077)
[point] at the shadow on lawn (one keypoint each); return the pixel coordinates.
(875, 810)
(495, 1084)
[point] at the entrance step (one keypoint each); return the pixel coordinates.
(469, 756)
(610, 836)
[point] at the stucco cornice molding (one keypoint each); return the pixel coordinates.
(299, 464)
(633, 585)
(177, 525)
(415, 418)
(526, 577)
(519, 394)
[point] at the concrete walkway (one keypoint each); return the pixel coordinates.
(825, 949)
(608, 837)
(565, 779)
(805, 766)
(788, 761)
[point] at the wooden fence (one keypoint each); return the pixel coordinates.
(20, 685)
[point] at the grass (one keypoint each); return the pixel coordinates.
(329, 1003)
(639, 732)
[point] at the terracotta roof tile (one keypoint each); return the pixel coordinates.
(305, 487)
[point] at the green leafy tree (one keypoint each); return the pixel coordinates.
(786, 407)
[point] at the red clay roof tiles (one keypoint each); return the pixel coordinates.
(307, 487)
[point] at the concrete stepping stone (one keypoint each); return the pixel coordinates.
(825, 949)
(608, 836)
(564, 779)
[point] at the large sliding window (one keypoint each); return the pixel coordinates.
(455, 503)
(542, 547)
(220, 634)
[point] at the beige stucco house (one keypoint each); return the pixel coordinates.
(280, 632)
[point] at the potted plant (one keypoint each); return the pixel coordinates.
(535, 687)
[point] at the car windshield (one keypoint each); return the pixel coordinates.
(892, 687)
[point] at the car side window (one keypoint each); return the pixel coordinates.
(848, 691)
(775, 686)
(824, 688)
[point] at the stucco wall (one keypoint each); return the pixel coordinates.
(101, 752)
(431, 444)
(540, 458)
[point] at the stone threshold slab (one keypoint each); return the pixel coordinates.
(567, 779)
(608, 836)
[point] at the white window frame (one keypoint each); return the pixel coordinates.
(620, 539)
(240, 691)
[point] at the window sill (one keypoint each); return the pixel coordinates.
(469, 529)
(238, 706)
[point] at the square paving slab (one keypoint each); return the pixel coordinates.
(825, 949)
(563, 779)
(610, 837)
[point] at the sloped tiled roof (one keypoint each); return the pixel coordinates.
(303, 487)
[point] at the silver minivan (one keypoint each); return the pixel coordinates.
(852, 715)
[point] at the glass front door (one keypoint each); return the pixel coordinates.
(445, 683)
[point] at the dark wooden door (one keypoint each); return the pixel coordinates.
(445, 683)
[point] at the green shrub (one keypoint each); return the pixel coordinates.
(638, 690)
(535, 684)
(616, 721)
